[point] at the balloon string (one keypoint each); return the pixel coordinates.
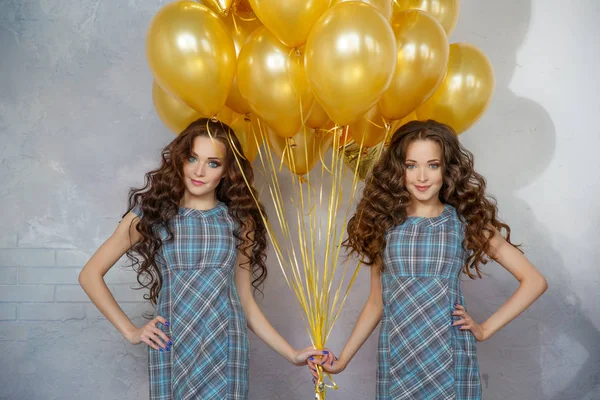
(310, 276)
(373, 123)
(320, 384)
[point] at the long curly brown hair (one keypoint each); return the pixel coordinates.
(164, 188)
(385, 197)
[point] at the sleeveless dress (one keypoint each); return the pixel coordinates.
(420, 354)
(209, 356)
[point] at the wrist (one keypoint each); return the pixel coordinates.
(342, 362)
(487, 331)
(290, 355)
(129, 332)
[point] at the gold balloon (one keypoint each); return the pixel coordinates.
(300, 152)
(422, 58)
(177, 116)
(191, 54)
(384, 6)
(350, 59)
(397, 124)
(290, 20)
(318, 118)
(445, 11)
(271, 78)
(173, 113)
(465, 92)
(371, 129)
(241, 25)
(226, 115)
(221, 7)
(245, 128)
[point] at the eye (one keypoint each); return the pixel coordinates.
(410, 166)
(214, 164)
(191, 159)
(434, 166)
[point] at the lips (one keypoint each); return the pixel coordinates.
(197, 183)
(422, 188)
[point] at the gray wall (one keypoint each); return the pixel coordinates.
(77, 129)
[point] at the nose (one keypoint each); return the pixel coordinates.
(422, 177)
(199, 171)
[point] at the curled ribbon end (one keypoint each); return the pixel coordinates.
(320, 386)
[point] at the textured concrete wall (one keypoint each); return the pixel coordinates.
(77, 129)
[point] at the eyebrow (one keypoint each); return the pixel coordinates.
(435, 159)
(209, 158)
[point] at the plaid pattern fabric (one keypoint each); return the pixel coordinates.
(209, 355)
(420, 355)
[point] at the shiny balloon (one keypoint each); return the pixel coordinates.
(290, 20)
(318, 118)
(241, 25)
(465, 92)
(177, 116)
(350, 60)
(192, 55)
(221, 7)
(272, 80)
(371, 129)
(383, 6)
(397, 124)
(245, 128)
(173, 113)
(445, 11)
(421, 61)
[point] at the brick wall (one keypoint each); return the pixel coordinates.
(40, 284)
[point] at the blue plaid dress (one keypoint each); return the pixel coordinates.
(209, 355)
(420, 355)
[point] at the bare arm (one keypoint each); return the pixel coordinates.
(91, 280)
(258, 323)
(365, 324)
(531, 286)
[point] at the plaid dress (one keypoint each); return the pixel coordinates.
(420, 355)
(209, 355)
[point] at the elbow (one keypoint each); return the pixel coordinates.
(543, 284)
(87, 277)
(537, 283)
(82, 278)
(540, 283)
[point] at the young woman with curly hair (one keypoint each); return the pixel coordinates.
(423, 221)
(201, 239)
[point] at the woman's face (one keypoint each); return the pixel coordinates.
(205, 167)
(423, 175)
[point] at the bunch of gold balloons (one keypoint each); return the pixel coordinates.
(305, 65)
(297, 77)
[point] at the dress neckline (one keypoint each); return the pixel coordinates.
(193, 212)
(432, 221)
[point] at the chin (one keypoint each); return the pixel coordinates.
(422, 197)
(194, 191)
